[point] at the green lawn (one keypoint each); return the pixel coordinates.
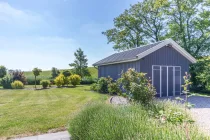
(31, 112)
(47, 74)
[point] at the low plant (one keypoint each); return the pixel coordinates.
(75, 79)
(103, 121)
(127, 78)
(103, 83)
(45, 83)
(114, 88)
(142, 91)
(88, 80)
(60, 80)
(17, 85)
(6, 82)
(94, 87)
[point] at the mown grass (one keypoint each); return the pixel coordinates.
(133, 122)
(47, 74)
(31, 112)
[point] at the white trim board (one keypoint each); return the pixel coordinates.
(155, 48)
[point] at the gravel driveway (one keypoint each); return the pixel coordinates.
(200, 112)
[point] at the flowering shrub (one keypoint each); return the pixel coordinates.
(114, 88)
(143, 91)
(137, 86)
(17, 85)
(60, 80)
(127, 78)
(75, 79)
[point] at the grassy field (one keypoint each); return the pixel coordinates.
(47, 74)
(29, 112)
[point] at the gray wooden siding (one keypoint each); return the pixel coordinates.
(167, 56)
(115, 70)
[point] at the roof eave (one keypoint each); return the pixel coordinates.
(117, 62)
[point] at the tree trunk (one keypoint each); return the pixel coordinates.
(35, 82)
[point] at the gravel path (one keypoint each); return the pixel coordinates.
(200, 112)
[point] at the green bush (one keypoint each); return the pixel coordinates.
(133, 122)
(143, 91)
(6, 82)
(45, 83)
(130, 76)
(114, 88)
(103, 83)
(88, 80)
(94, 87)
(60, 80)
(31, 80)
(17, 85)
(75, 79)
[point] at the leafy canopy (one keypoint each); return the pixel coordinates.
(80, 63)
(54, 72)
(3, 71)
(36, 71)
(185, 21)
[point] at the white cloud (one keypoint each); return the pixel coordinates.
(16, 17)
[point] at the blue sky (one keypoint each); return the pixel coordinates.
(45, 33)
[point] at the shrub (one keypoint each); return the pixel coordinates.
(103, 121)
(19, 76)
(75, 79)
(45, 83)
(94, 87)
(17, 85)
(31, 80)
(88, 80)
(59, 80)
(129, 77)
(143, 92)
(6, 82)
(103, 84)
(114, 88)
(66, 73)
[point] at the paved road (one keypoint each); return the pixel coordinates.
(50, 136)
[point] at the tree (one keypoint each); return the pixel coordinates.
(3, 71)
(143, 22)
(19, 76)
(54, 72)
(189, 25)
(36, 72)
(185, 21)
(66, 73)
(80, 63)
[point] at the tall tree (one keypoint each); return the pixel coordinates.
(186, 21)
(144, 22)
(54, 72)
(189, 25)
(36, 72)
(3, 71)
(80, 63)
